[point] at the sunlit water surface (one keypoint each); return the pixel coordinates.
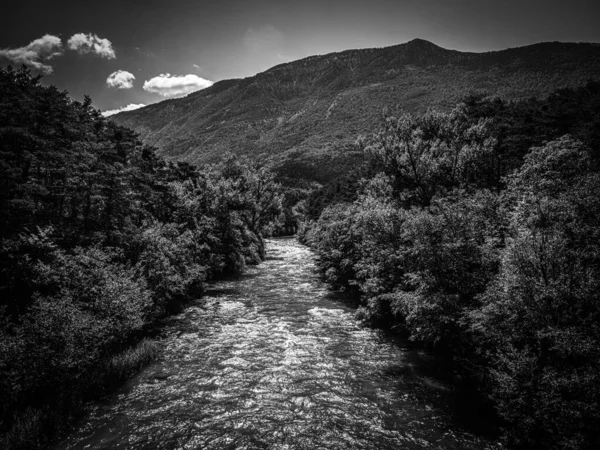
(275, 360)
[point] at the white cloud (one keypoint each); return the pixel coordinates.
(36, 53)
(91, 43)
(130, 107)
(267, 38)
(168, 85)
(121, 79)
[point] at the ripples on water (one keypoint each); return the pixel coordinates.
(273, 360)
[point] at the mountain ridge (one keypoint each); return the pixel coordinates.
(307, 114)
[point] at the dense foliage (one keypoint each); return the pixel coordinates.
(520, 125)
(99, 238)
(478, 246)
(515, 125)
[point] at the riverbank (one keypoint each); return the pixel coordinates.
(52, 417)
(274, 358)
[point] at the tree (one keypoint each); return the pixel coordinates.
(434, 153)
(252, 191)
(540, 319)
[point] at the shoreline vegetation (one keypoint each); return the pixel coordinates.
(476, 232)
(30, 428)
(100, 239)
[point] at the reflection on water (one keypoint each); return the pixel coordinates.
(272, 360)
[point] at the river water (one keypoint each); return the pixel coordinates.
(274, 360)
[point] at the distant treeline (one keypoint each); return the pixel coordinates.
(99, 238)
(478, 233)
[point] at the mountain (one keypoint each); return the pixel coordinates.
(305, 116)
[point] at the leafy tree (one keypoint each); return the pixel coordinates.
(433, 153)
(540, 318)
(451, 255)
(336, 243)
(253, 193)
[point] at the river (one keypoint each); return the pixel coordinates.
(275, 360)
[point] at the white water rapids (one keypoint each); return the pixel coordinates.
(275, 360)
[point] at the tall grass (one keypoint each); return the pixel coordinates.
(32, 428)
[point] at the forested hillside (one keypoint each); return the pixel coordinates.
(516, 125)
(100, 238)
(476, 232)
(306, 115)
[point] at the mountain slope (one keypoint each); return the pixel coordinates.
(306, 115)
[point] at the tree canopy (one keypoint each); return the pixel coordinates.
(99, 238)
(476, 232)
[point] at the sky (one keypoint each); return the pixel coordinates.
(126, 54)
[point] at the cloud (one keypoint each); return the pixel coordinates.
(130, 107)
(36, 53)
(266, 38)
(91, 43)
(121, 79)
(168, 85)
